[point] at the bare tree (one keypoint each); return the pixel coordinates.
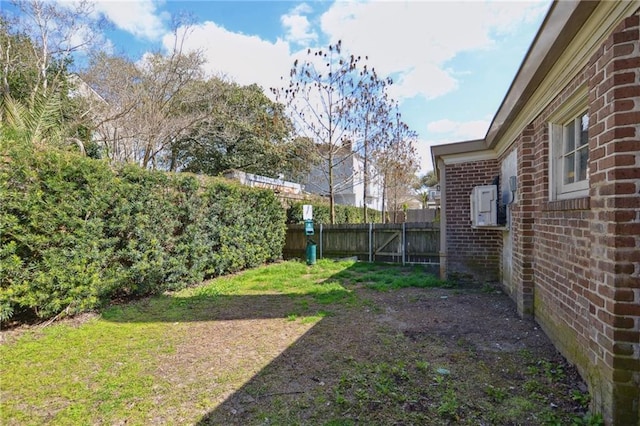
(109, 89)
(140, 109)
(56, 33)
(167, 111)
(373, 123)
(397, 162)
(323, 95)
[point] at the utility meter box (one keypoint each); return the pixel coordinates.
(308, 227)
(484, 206)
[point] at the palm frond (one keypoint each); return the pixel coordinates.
(13, 113)
(44, 119)
(36, 121)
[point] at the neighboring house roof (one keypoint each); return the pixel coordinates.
(81, 88)
(564, 43)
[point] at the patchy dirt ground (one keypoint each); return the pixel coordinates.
(409, 356)
(399, 357)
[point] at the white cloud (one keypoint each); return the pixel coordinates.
(505, 17)
(243, 58)
(139, 18)
(465, 130)
(86, 37)
(414, 40)
(411, 41)
(298, 26)
(441, 126)
(449, 131)
(412, 82)
(423, 150)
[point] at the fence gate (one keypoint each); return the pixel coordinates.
(387, 245)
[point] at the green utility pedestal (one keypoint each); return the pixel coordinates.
(311, 245)
(311, 252)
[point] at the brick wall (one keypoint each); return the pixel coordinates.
(576, 262)
(521, 288)
(560, 248)
(580, 258)
(615, 221)
(471, 253)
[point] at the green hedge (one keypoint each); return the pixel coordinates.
(322, 213)
(75, 234)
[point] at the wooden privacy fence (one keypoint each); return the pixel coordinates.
(388, 242)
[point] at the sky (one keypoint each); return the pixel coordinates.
(451, 61)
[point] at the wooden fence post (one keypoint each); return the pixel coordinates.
(370, 242)
(404, 242)
(320, 242)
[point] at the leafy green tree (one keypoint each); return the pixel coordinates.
(424, 182)
(36, 124)
(55, 33)
(429, 179)
(18, 70)
(35, 100)
(245, 131)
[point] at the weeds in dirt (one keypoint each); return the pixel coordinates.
(496, 393)
(449, 405)
(582, 398)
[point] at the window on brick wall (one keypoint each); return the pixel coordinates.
(569, 143)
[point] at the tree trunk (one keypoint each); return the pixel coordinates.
(173, 165)
(5, 72)
(366, 177)
(332, 203)
(384, 199)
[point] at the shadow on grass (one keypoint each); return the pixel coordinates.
(220, 308)
(299, 380)
(327, 304)
(370, 357)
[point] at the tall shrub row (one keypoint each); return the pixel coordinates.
(75, 234)
(322, 213)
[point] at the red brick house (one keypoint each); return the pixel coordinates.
(563, 157)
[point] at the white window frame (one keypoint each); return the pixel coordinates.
(568, 114)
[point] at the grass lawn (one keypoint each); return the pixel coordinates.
(339, 343)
